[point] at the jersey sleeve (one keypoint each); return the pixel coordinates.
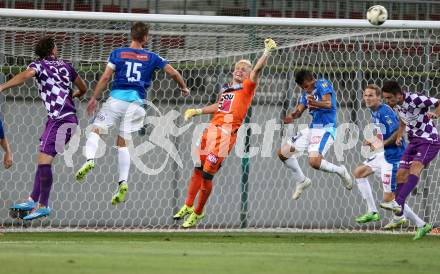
(303, 99)
(35, 66)
(72, 72)
(112, 60)
(249, 86)
(324, 87)
(422, 101)
(159, 62)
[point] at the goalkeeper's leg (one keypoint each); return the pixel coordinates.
(204, 193)
(194, 186)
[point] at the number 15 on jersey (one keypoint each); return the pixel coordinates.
(133, 74)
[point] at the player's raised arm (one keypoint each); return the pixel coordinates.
(18, 79)
(269, 47)
(173, 73)
(106, 76)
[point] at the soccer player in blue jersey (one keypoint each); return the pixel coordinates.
(133, 68)
(7, 158)
(320, 98)
(384, 163)
(55, 78)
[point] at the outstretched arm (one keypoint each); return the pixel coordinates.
(173, 73)
(299, 109)
(18, 79)
(191, 112)
(269, 47)
(106, 76)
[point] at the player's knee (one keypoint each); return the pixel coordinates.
(120, 142)
(96, 130)
(315, 162)
(357, 173)
(207, 176)
(401, 176)
(281, 156)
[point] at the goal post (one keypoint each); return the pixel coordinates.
(350, 53)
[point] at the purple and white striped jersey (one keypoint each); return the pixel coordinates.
(413, 112)
(54, 79)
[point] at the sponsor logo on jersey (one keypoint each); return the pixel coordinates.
(135, 56)
(225, 102)
(386, 179)
(212, 158)
(315, 140)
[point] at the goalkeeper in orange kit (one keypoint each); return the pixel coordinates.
(220, 136)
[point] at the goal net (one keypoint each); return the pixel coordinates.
(252, 190)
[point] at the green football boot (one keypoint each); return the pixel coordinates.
(422, 231)
(192, 220)
(120, 195)
(368, 217)
(183, 211)
(81, 174)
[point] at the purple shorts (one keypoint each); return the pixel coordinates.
(420, 150)
(57, 134)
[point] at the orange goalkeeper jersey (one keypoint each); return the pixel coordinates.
(234, 103)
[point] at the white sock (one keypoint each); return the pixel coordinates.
(409, 213)
(292, 164)
(329, 167)
(367, 194)
(123, 163)
(92, 145)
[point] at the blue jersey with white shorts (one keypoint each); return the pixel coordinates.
(134, 69)
(322, 117)
(388, 122)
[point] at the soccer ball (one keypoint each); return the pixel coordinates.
(377, 15)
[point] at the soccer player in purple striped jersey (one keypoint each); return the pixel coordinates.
(54, 79)
(424, 142)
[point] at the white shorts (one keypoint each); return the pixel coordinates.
(386, 171)
(313, 139)
(130, 116)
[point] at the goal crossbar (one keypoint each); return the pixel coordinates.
(218, 20)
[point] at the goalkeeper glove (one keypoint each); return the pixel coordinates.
(269, 46)
(192, 112)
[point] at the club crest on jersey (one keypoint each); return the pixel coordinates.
(389, 121)
(225, 102)
(212, 158)
(100, 117)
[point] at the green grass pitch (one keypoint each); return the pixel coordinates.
(193, 253)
